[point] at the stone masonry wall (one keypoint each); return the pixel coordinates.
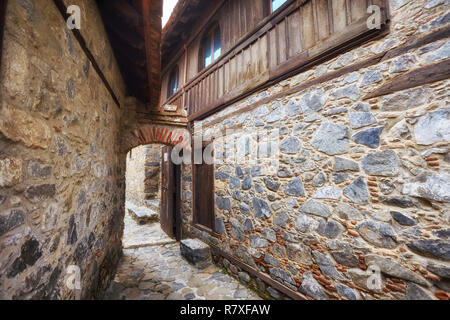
(62, 188)
(135, 176)
(143, 174)
(363, 189)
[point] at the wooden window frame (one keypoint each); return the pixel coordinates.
(194, 221)
(209, 34)
(175, 71)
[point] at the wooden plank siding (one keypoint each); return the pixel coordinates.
(259, 48)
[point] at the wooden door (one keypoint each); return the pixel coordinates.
(204, 195)
(170, 215)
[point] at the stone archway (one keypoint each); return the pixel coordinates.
(157, 134)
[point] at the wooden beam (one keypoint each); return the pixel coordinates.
(82, 42)
(151, 14)
(425, 75)
(122, 32)
(262, 276)
(3, 5)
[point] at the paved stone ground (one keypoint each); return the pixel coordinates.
(136, 235)
(150, 270)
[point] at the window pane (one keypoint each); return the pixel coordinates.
(217, 45)
(207, 54)
(173, 85)
(276, 4)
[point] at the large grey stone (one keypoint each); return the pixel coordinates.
(369, 137)
(258, 242)
(319, 180)
(432, 247)
(414, 292)
(330, 229)
(327, 266)
(399, 201)
(330, 192)
(196, 252)
(305, 223)
(361, 119)
(311, 287)
(292, 108)
(281, 275)
(381, 163)
(345, 291)
(236, 230)
(143, 215)
(40, 192)
(316, 208)
(276, 115)
(30, 253)
(331, 138)
(394, 269)
(403, 218)
(223, 203)
(342, 164)
(12, 220)
(272, 184)
(357, 191)
(433, 127)
(220, 226)
(351, 92)
(348, 212)
(346, 257)
(247, 183)
(429, 185)
(370, 77)
(281, 219)
(261, 208)
(378, 233)
(271, 260)
(441, 270)
(269, 234)
(290, 145)
(295, 188)
(299, 253)
(312, 101)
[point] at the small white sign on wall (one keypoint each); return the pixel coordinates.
(166, 157)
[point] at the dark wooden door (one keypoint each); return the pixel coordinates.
(204, 195)
(170, 215)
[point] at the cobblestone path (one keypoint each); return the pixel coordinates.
(155, 270)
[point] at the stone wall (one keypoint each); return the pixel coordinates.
(135, 176)
(62, 187)
(143, 174)
(362, 191)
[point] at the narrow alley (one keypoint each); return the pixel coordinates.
(152, 268)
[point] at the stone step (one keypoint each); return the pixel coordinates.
(153, 204)
(142, 215)
(196, 252)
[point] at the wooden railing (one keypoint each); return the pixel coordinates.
(302, 33)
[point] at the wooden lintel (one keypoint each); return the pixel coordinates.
(425, 75)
